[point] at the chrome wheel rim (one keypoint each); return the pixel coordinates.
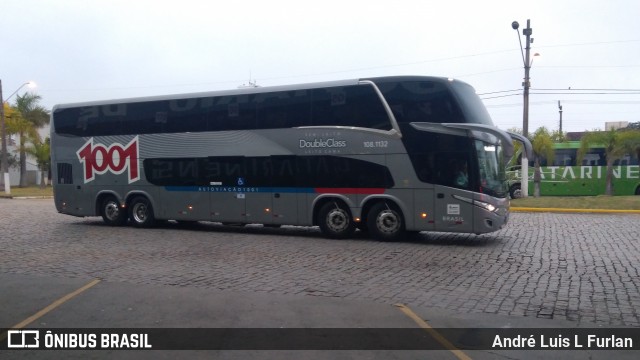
(517, 194)
(337, 220)
(140, 212)
(112, 211)
(388, 222)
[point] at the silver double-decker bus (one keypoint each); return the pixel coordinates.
(385, 155)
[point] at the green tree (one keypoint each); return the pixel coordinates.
(9, 113)
(616, 145)
(542, 143)
(631, 142)
(558, 136)
(41, 151)
(33, 117)
(517, 148)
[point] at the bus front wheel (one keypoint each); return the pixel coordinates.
(111, 212)
(385, 222)
(141, 212)
(335, 220)
(515, 191)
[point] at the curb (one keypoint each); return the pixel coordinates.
(558, 210)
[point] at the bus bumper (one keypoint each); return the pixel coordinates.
(490, 217)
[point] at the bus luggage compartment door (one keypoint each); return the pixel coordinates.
(228, 207)
(285, 208)
(258, 208)
(454, 209)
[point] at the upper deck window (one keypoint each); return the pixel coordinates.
(351, 106)
(435, 101)
(421, 101)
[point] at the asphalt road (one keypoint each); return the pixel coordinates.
(542, 270)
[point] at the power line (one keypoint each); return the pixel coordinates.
(585, 66)
(375, 67)
(500, 96)
(564, 101)
(586, 93)
(587, 89)
(569, 91)
(498, 92)
(589, 43)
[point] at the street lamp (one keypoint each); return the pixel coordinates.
(524, 187)
(4, 161)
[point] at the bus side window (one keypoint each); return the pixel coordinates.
(283, 109)
(357, 105)
(146, 117)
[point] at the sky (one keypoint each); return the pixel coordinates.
(84, 50)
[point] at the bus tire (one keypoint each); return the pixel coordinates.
(385, 222)
(141, 212)
(111, 212)
(638, 190)
(515, 191)
(335, 220)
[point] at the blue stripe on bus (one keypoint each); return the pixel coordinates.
(239, 189)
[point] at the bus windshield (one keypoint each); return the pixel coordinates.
(470, 103)
(492, 176)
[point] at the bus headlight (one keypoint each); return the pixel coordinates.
(485, 205)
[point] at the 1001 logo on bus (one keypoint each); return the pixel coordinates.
(98, 159)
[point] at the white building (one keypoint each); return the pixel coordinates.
(614, 125)
(33, 173)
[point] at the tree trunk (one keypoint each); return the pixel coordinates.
(536, 178)
(43, 184)
(23, 162)
(609, 187)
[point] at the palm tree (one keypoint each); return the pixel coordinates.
(542, 143)
(41, 151)
(616, 144)
(558, 136)
(36, 117)
(632, 141)
(12, 160)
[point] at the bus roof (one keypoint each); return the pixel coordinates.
(249, 90)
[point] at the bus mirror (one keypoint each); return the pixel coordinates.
(503, 137)
(525, 142)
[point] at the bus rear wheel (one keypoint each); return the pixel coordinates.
(111, 212)
(335, 220)
(141, 212)
(385, 222)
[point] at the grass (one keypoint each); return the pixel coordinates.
(580, 202)
(562, 202)
(27, 191)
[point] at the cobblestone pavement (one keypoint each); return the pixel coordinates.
(577, 267)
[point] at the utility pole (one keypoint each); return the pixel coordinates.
(526, 59)
(527, 82)
(4, 162)
(560, 111)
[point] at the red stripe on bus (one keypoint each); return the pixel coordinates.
(359, 191)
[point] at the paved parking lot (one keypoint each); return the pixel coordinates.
(581, 268)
